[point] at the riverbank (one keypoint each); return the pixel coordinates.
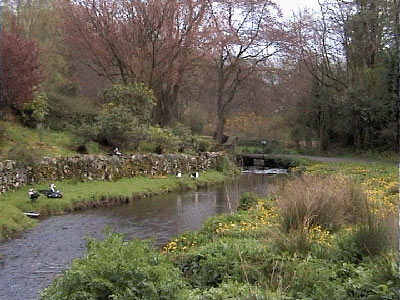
(82, 195)
(329, 233)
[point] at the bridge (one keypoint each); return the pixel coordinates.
(263, 160)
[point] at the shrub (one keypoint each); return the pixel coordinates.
(118, 127)
(247, 200)
(85, 133)
(117, 269)
(161, 140)
(326, 201)
(186, 141)
(224, 164)
(203, 145)
(34, 112)
(225, 260)
(137, 98)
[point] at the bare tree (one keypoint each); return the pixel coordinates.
(244, 35)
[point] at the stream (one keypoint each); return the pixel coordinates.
(29, 262)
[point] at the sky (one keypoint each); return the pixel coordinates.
(288, 6)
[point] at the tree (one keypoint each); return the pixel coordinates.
(243, 36)
(152, 42)
(20, 73)
(350, 54)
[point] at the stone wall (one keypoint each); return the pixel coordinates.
(90, 167)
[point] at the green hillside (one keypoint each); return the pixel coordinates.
(17, 140)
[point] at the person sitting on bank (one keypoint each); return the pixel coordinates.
(179, 174)
(53, 188)
(32, 195)
(117, 152)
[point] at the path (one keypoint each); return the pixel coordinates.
(340, 159)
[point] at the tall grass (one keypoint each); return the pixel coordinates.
(376, 234)
(331, 202)
(309, 201)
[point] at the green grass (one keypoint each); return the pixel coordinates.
(42, 141)
(379, 156)
(77, 193)
(12, 220)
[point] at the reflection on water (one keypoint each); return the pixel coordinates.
(29, 262)
(267, 171)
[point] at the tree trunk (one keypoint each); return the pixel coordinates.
(220, 128)
(167, 105)
(219, 136)
(166, 110)
(308, 137)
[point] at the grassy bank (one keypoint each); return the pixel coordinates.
(328, 233)
(81, 195)
(39, 142)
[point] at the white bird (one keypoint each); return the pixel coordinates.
(194, 175)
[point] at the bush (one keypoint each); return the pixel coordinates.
(137, 98)
(224, 260)
(203, 145)
(117, 269)
(118, 127)
(247, 200)
(160, 140)
(224, 164)
(34, 112)
(186, 141)
(326, 201)
(85, 133)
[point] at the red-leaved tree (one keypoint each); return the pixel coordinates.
(153, 42)
(20, 74)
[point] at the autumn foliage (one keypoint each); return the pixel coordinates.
(20, 73)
